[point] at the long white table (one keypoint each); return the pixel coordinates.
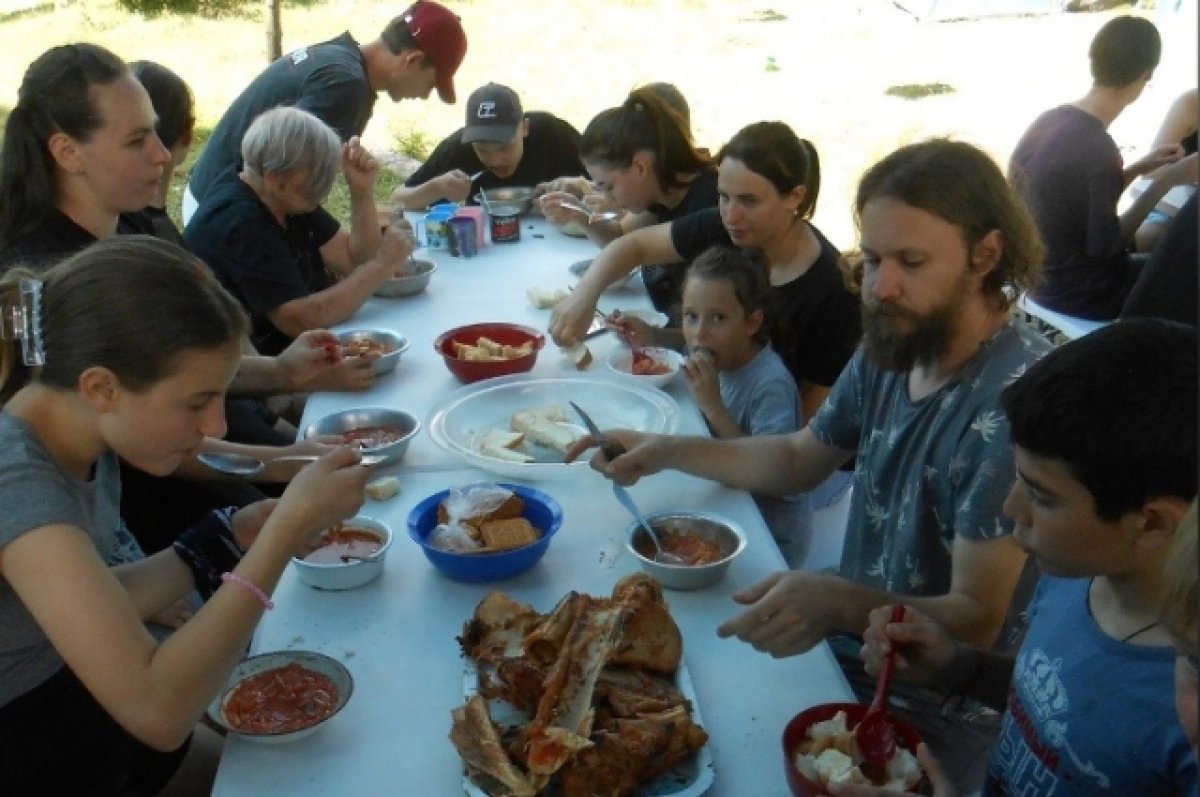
(397, 634)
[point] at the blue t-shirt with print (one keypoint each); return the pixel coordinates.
(927, 470)
(1088, 714)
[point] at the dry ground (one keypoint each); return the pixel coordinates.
(822, 66)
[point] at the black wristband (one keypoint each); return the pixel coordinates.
(208, 549)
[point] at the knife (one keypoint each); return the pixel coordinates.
(610, 449)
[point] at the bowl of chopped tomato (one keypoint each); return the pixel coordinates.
(650, 365)
(703, 546)
(282, 696)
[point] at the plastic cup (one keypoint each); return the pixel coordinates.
(462, 237)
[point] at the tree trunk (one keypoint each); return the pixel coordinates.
(274, 31)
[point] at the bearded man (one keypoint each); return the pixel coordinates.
(945, 243)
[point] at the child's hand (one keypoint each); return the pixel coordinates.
(700, 370)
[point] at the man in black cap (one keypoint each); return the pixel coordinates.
(501, 144)
(337, 82)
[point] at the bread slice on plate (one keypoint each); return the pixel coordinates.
(544, 426)
(500, 443)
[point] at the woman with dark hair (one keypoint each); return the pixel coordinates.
(768, 181)
(135, 346)
(175, 108)
(643, 160)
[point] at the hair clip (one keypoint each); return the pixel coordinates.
(22, 321)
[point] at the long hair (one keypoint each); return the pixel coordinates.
(55, 96)
(171, 98)
(960, 184)
(773, 150)
(648, 121)
(128, 303)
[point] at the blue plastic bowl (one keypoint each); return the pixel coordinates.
(540, 510)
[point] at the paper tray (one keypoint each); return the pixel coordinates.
(688, 778)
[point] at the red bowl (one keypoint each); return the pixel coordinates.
(797, 730)
(502, 333)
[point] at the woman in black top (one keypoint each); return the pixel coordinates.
(643, 161)
(768, 181)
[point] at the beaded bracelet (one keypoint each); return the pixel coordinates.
(250, 587)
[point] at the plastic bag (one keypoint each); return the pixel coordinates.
(455, 534)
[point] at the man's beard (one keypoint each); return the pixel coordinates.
(926, 340)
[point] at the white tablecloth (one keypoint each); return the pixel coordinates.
(397, 634)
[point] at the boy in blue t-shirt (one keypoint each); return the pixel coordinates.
(1105, 437)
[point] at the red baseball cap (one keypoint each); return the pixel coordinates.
(438, 32)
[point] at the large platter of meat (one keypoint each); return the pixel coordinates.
(592, 698)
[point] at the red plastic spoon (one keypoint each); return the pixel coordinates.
(874, 737)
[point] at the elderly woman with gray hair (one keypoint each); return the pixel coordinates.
(263, 231)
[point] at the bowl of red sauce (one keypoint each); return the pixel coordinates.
(705, 544)
(346, 556)
(374, 430)
(282, 696)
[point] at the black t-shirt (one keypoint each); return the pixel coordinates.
(551, 150)
(57, 237)
(329, 80)
(815, 320)
(262, 264)
(664, 283)
(1167, 285)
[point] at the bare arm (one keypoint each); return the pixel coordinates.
(346, 250)
(1180, 120)
(570, 318)
(342, 300)
(767, 464)
(1181, 172)
(158, 692)
(453, 186)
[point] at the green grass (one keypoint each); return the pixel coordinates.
(824, 68)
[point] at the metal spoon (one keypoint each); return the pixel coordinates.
(592, 216)
(477, 175)
(347, 558)
(242, 465)
(661, 554)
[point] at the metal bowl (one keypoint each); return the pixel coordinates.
(725, 533)
(392, 343)
(332, 669)
(347, 575)
(338, 423)
(517, 195)
(414, 283)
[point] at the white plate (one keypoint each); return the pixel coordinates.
(469, 412)
(689, 778)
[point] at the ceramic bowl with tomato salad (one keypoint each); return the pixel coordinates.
(282, 696)
(375, 430)
(335, 564)
(650, 366)
(705, 543)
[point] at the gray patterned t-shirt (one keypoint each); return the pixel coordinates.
(927, 470)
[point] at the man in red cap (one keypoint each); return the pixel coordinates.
(337, 81)
(500, 145)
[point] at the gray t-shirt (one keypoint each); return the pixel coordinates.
(35, 492)
(927, 470)
(763, 399)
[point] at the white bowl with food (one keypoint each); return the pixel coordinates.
(384, 343)
(282, 696)
(652, 365)
(520, 426)
(346, 556)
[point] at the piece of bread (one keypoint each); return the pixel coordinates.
(383, 489)
(501, 535)
(543, 299)
(489, 345)
(544, 428)
(580, 355)
(500, 443)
